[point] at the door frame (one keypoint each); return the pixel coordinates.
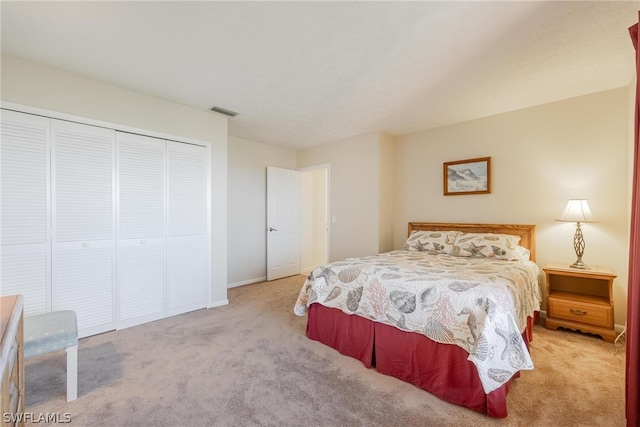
(326, 166)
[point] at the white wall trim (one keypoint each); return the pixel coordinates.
(246, 282)
(219, 303)
(315, 167)
(209, 233)
(98, 123)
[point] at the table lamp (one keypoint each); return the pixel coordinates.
(577, 211)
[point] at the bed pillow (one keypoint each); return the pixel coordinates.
(522, 254)
(433, 242)
(489, 245)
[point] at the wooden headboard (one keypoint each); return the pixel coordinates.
(526, 232)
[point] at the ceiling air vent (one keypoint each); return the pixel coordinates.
(224, 111)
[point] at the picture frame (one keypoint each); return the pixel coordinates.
(470, 176)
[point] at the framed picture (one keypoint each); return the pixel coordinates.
(472, 176)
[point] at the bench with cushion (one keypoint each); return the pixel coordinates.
(53, 331)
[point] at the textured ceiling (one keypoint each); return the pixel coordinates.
(306, 73)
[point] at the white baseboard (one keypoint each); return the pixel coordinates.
(246, 282)
(218, 303)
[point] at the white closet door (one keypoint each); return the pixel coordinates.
(187, 227)
(83, 224)
(141, 229)
(24, 210)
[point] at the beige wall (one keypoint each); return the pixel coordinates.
(353, 192)
(247, 201)
(34, 85)
(541, 157)
(385, 188)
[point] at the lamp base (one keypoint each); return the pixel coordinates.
(580, 265)
(578, 245)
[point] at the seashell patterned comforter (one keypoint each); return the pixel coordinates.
(479, 304)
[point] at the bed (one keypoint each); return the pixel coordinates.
(452, 312)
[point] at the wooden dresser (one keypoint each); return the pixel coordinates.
(12, 360)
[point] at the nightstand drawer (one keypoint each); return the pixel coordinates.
(591, 314)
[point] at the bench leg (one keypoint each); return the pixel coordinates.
(72, 373)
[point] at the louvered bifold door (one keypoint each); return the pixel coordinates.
(141, 229)
(84, 224)
(187, 227)
(25, 252)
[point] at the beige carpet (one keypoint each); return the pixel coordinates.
(250, 364)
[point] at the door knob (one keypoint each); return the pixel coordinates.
(273, 229)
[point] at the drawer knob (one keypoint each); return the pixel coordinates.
(578, 312)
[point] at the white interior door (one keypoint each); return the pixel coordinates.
(186, 227)
(83, 255)
(283, 222)
(141, 229)
(25, 238)
(112, 225)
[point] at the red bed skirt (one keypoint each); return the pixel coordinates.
(442, 369)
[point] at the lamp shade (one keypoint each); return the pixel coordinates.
(577, 210)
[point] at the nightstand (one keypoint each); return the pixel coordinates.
(581, 300)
